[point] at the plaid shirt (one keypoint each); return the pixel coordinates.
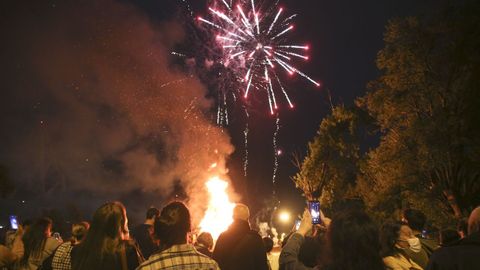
(61, 259)
(179, 257)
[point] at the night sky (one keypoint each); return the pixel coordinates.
(84, 116)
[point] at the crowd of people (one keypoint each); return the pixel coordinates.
(349, 240)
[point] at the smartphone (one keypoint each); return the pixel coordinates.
(13, 222)
(57, 236)
(297, 224)
(314, 207)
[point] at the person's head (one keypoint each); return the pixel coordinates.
(415, 219)
(103, 240)
(448, 237)
(173, 224)
(205, 239)
(474, 221)
(35, 237)
(110, 221)
(268, 243)
(396, 236)
(309, 251)
(152, 213)
(241, 212)
(26, 224)
(353, 241)
(79, 231)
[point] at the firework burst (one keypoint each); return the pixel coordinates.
(255, 46)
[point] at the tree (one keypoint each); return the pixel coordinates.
(330, 167)
(427, 106)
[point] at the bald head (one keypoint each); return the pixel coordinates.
(240, 211)
(474, 221)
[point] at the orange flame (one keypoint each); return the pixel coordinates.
(219, 212)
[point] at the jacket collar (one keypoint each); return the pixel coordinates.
(240, 225)
(472, 239)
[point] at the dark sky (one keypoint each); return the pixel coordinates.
(345, 37)
(61, 139)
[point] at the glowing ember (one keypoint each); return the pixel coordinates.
(219, 212)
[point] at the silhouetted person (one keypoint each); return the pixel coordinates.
(352, 240)
(395, 238)
(239, 247)
(38, 244)
(61, 259)
(420, 254)
(464, 254)
(449, 237)
(106, 245)
(172, 228)
(7, 257)
(300, 251)
(143, 233)
(204, 244)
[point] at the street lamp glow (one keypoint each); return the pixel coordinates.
(284, 216)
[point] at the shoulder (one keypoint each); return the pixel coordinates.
(52, 243)
(392, 261)
(254, 237)
(444, 253)
(430, 244)
(64, 247)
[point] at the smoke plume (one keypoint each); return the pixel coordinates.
(93, 109)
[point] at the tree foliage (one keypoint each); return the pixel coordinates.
(426, 105)
(330, 167)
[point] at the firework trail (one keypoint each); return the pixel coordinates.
(175, 81)
(276, 154)
(245, 134)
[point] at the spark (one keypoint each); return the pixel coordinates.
(282, 55)
(274, 20)
(275, 155)
(237, 54)
(178, 54)
(245, 134)
(283, 32)
(256, 16)
(293, 47)
(209, 22)
(226, 4)
(248, 86)
(227, 38)
(284, 92)
(296, 54)
(174, 82)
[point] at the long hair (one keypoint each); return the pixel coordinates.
(388, 238)
(354, 242)
(103, 241)
(34, 239)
